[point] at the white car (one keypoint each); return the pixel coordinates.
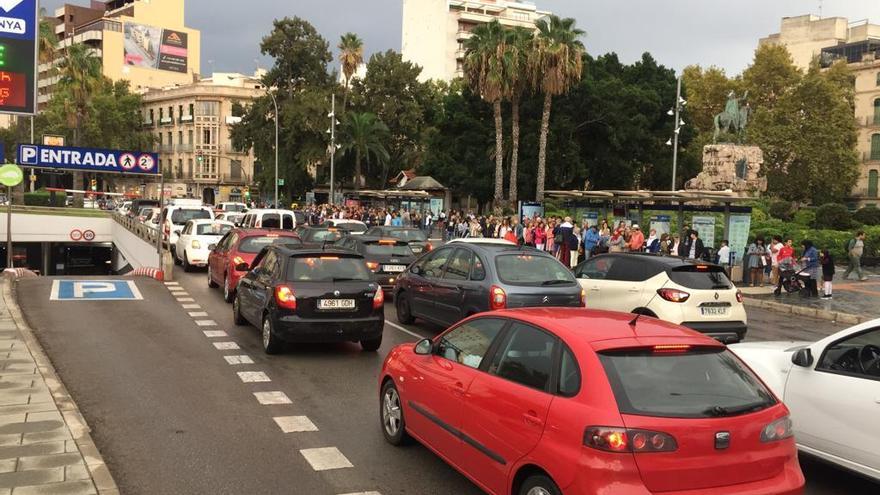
(175, 216)
(193, 241)
(686, 292)
(230, 206)
(832, 388)
(269, 219)
(231, 216)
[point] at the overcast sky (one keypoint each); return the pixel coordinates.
(677, 32)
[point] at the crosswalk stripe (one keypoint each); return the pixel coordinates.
(253, 376)
(272, 398)
(206, 323)
(215, 333)
(226, 346)
(325, 458)
(243, 359)
(295, 424)
(197, 314)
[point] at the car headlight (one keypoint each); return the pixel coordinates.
(196, 244)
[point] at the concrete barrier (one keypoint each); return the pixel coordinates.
(791, 309)
(154, 273)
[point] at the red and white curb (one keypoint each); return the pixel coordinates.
(154, 273)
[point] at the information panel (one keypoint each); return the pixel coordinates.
(18, 56)
(91, 159)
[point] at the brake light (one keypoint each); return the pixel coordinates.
(497, 298)
(777, 430)
(673, 295)
(428, 246)
(379, 299)
(373, 265)
(628, 440)
(329, 257)
(739, 296)
(702, 268)
(671, 348)
(387, 242)
(285, 297)
(583, 298)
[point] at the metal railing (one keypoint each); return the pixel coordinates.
(146, 232)
(870, 121)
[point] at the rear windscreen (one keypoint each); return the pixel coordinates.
(352, 227)
(212, 229)
(314, 235)
(275, 221)
(697, 383)
(700, 277)
(414, 235)
(530, 269)
(181, 216)
(255, 244)
(382, 249)
(327, 269)
(233, 207)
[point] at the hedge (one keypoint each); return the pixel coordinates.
(44, 198)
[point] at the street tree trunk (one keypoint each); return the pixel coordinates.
(357, 170)
(514, 158)
(542, 148)
(499, 156)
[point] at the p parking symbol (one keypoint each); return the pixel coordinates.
(95, 290)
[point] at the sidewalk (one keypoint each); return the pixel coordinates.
(45, 446)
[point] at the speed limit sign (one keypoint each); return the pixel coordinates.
(89, 235)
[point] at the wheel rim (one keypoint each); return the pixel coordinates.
(403, 308)
(235, 309)
(226, 288)
(538, 490)
(267, 333)
(391, 411)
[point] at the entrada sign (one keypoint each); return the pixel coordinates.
(18, 56)
(91, 159)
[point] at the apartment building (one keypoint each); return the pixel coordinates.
(434, 31)
(191, 124)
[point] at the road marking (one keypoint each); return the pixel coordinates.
(196, 314)
(325, 458)
(295, 424)
(180, 294)
(226, 346)
(253, 376)
(175, 288)
(185, 299)
(243, 359)
(271, 398)
(404, 330)
(191, 306)
(363, 493)
(172, 283)
(206, 323)
(215, 333)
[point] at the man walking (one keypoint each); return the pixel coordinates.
(855, 248)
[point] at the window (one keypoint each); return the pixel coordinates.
(206, 136)
(700, 277)
(877, 111)
(151, 115)
(872, 183)
(191, 109)
(433, 266)
(179, 137)
(532, 269)
(268, 263)
(469, 343)
(875, 147)
(160, 139)
(628, 271)
(189, 137)
(459, 267)
(479, 271)
(209, 108)
(170, 142)
(526, 358)
(179, 167)
(595, 268)
(170, 112)
(180, 111)
(569, 374)
(318, 269)
(161, 114)
(878, 79)
(189, 167)
(857, 355)
(235, 169)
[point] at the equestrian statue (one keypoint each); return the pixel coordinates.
(735, 116)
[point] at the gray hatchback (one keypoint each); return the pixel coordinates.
(458, 280)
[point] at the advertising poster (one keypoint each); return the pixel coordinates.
(530, 209)
(151, 47)
(591, 218)
(705, 226)
(739, 235)
(660, 224)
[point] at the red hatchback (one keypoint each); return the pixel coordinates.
(232, 256)
(545, 401)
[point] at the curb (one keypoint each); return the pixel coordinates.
(154, 273)
(79, 429)
(821, 314)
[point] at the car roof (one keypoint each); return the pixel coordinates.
(344, 220)
(263, 232)
(481, 240)
(656, 259)
(371, 238)
(258, 211)
(318, 251)
(198, 221)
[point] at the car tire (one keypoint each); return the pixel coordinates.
(211, 283)
(404, 310)
(237, 318)
(271, 344)
(186, 266)
(371, 345)
(391, 408)
(228, 292)
(539, 484)
(174, 255)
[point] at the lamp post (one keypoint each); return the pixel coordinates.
(332, 147)
(676, 112)
(275, 104)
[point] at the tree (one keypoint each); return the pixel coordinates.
(487, 68)
(48, 40)
(519, 42)
(771, 75)
(351, 55)
(301, 55)
(363, 134)
(556, 65)
(706, 91)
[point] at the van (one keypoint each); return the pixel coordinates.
(269, 219)
(175, 216)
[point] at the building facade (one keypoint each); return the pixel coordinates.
(191, 124)
(810, 38)
(434, 31)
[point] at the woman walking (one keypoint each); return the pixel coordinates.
(757, 261)
(540, 236)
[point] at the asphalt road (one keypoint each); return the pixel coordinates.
(170, 415)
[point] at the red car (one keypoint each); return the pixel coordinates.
(545, 401)
(231, 258)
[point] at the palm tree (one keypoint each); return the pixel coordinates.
(364, 135)
(486, 68)
(519, 43)
(556, 65)
(351, 55)
(48, 40)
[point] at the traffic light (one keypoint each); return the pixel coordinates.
(247, 192)
(94, 184)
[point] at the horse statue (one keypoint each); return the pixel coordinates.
(735, 116)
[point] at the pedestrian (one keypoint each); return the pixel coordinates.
(568, 251)
(827, 262)
(591, 240)
(723, 256)
(617, 242)
(637, 239)
(757, 261)
(855, 248)
(810, 259)
(675, 249)
(775, 245)
(665, 244)
(540, 234)
(652, 243)
(695, 249)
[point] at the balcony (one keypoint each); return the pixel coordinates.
(463, 34)
(149, 123)
(185, 119)
(205, 176)
(870, 121)
(864, 193)
(232, 150)
(871, 156)
(459, 54)
(184, 148)
(166, 121)
(164, 148)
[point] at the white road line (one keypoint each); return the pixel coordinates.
(271, 398)
(325, 458)
(198, 314)
(172, 283)
(295, 424)
(253, 376)
(185, 299)
(180, 294)
(212, 334)
(226, 346)
(175, 287)
(404, 330)
(362, 493)
(243, 359)
(191, 306)
(206, 323)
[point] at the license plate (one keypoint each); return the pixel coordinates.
(393, 268)
(710, 311)
(335, 303)
(415, 249)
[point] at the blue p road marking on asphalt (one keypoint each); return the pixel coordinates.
(94, 290)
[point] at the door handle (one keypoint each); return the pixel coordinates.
(634, 289)
(531, 418)
(877, 400)
(457, 389)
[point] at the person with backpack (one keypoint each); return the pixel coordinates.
(855, 248)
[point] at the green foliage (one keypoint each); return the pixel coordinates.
(42, 197)
(868, 216)
(805, 217)
(301, 55)
(833, 216)
(781, 209)
(706, 92)
(771, 76)
(364, 136)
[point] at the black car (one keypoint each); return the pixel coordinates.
(463, 278)
(385, 257)
(310, 295)
(418, 240)
(317, 236)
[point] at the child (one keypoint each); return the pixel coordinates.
(827, 272)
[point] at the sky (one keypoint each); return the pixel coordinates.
(677, 32)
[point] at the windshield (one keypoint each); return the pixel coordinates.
(256, 243)
(212, 229)
(181, 216)
(532, 269)
(318, 235)
(700, 277)
(233, 207)
(413, 235)
(357, 227)
(327, 269)
(387, 249)
(698, 383)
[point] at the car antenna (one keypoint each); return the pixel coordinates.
(632, 323)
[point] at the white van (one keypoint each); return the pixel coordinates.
(177, 213)
(269, 219)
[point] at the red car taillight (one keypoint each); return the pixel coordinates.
(673, 295)
(372, 265)
(285, 297)
(777, 430)
(497, 298)
(583, 298)
(627, 440)
(379, 299)
(428, 246)
(739, 296)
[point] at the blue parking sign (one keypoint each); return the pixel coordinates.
(94, 290)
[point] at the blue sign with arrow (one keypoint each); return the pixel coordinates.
(90, 159)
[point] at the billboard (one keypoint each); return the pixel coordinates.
(18, 56)
(152, 47)
(88, 159)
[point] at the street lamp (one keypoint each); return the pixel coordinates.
(679, 123)
(332, 132)
(275, 103)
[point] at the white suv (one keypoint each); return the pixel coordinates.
(175, 216)
(269, 219)
(686, 292)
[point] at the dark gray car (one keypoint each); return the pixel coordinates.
(460, 279)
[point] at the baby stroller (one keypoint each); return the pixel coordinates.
(791, 277)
